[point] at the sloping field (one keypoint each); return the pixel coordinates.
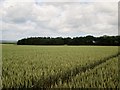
(52, 66)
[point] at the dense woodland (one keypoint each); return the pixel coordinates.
(86, 40)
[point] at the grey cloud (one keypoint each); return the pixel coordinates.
(78, 0)
(64, 19)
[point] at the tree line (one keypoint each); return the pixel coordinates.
(86, 40)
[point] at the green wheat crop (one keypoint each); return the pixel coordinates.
(30, 66)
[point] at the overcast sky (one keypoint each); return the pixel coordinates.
(71, 18)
